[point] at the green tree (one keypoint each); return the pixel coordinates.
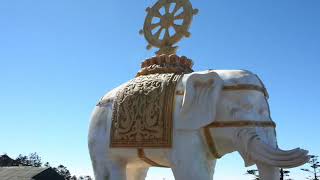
(22, 160)
(63, 171)
(254, 173)
(284, 173)
(32, 160)
(85, 178)
(315, 168)
(47, 164)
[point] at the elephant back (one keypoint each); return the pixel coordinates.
(142, 107)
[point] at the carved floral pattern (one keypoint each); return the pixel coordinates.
(142, 112)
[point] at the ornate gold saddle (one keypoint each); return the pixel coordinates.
(142, 112)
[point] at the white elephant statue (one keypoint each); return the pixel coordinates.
(215, 112)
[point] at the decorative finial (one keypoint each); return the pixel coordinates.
(167, 22)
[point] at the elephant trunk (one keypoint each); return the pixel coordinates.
(262, 152)
(253, 149)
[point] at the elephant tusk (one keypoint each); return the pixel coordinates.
(259, 151)
(283, 155)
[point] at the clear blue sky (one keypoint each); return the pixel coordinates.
(57, 58)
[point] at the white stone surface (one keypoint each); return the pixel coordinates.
(203, 102)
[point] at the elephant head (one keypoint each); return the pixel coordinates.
(232, 110)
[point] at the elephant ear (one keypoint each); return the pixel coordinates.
(201, 94)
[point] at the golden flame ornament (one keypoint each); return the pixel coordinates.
(166, 23)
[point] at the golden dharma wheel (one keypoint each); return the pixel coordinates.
(166, 23)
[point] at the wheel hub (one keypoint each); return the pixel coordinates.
(167, 20)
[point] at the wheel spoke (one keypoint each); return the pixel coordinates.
(177, 28)
(166, 35)
(155, 13)
(177, 7)
(152, 26)
(167, 7)
(157, 34)
(180, 16)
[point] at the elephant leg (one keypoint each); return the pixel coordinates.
(190, 159)
(100, 170)
(117, 170)
(99, 161)
(137, 173)
(98, 146)
(193, 169)
(109, 170)
(267, 172)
